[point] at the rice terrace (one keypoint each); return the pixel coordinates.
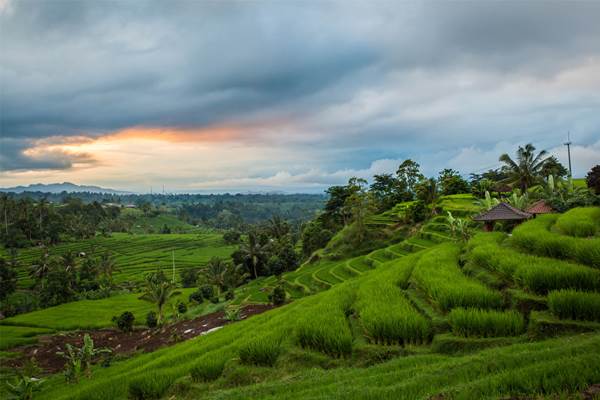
(299, 200)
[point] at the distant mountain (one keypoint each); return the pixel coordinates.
(60, 187)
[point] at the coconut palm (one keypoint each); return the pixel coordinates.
(527, 170)
(215, 271)
(107, 265)
(159, 290)
(253, 252)
(39, 270)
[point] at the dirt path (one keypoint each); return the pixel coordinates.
(146, 340)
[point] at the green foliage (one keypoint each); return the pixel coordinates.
(278, 295)
(437, 273)
(149, 386)
(416, 212)
(385, 313)
(79, 360)
(151, 320)
(536, 236)
(207, 291)
(181, 307)
(459, 227)
(232, 237)
(572, 304)
(125, 321)
(196, 297)
(538, 274)
(452, 183)
(233, 313)
(207, 369)
(262, 351)
(159, 291)
(189, 277)
(486, 323)
(23, 387)
(8, 279)
(314, 236)
(527, 170)
(579, 222)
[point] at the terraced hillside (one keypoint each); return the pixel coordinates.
(136, 255)
(494, 318)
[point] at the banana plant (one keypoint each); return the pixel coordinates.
(488, 202)
(24, 387)
(80, 359)
(459, 227)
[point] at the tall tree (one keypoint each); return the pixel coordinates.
(253, 253)
(526, 170)
(159, 290)
(409, 175)
(107, 265)
(215, 271)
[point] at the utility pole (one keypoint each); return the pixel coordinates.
(173, 255)
(568, 144)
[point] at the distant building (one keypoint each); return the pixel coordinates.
(501, 212)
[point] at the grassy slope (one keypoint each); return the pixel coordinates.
(153, 224)
(136, 255)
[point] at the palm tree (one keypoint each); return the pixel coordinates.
(215, 272)
(527, 169)
(278, 228)
(159, 291)
(253, 252)
(107, 265)
(235, 276)
(39, 270)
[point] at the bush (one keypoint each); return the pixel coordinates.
(196, 297)
(232, 237)
(207, 291)
(263, 351)
(189, 277)
(416, 212)
(151, 320)
(181, 307)
(572, 304)
(125, 321)
(150, 386)
(207, 369)
(229, 295)
(277, 296)
(486, 323)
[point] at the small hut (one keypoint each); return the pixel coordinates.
(501, 212)
(540, 207)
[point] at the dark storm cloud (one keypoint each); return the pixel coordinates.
(92, 67)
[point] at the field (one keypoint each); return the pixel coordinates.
(136, 255)
(428, 316)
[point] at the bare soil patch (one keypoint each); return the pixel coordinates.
(144, 340)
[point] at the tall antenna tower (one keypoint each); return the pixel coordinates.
(568, 144)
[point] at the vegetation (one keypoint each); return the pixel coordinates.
(572, 304)
(486, 323)
(579, 222)
(527, 170)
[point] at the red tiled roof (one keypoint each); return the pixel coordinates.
(502, 212)
(540, 207)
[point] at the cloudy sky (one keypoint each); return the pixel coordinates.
(289, 95)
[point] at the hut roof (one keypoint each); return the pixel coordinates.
(502, 212)
(540, 207)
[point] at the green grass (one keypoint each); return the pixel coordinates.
(538, 274)
(153, 224)
(438, 274)
(571, 304)
(385, 313)
(89, 314)
(12, 336)
(486, 323)
(535, 236)
(136, 255)
(579, 222)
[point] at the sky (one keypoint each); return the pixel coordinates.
(293, 96)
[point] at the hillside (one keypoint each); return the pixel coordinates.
(61, 187)
(496, 315)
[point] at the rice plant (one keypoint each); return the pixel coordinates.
(261, 351)
(438, 274)
(386, 314)
(572, 304)
(537, 237)
(538, 274)
(579, 222)
(486, 323)
(207, 369)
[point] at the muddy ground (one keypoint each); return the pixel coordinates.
(121, 343)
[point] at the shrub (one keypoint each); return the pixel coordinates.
(233, 313)
(572, 304)
(486, 323)
(416, 212)
(149, 386)
(125, 321)
(207, 291)
(214, 300)
(263, 351)
(277, 296)
(151, 320)
(189, 277)
(229, 295)
(196, 297)
(181, 307)
(207, 369)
